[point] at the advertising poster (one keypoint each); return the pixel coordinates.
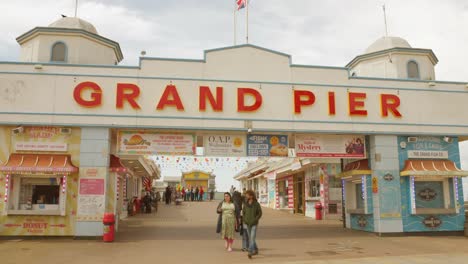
(147, 142)
(91, 194)
(330, 146)
(225, 145)
(267, 145)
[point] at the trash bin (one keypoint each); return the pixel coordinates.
(109, 227)
(318, 211)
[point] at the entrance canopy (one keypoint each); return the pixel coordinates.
(432, 168)
(360, 167)
(20, 163)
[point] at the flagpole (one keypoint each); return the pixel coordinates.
(235, 23)
(247, 20)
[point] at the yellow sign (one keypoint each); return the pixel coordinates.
(375, 185)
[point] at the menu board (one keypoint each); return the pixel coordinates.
(224, 145)
(267, 145)
(148, 142)
(334, 146)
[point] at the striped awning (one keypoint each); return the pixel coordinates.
(360, 167)
(432, 168)
(19, 163)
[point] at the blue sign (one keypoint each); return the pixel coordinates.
(267, 145)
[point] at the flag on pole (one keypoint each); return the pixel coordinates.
(241, 4)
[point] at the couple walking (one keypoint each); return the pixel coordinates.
(242, 216)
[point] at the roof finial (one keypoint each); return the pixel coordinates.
(385, 20)
(76, 7)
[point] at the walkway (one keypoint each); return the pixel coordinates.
(186, 234)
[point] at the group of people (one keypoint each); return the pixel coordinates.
(187, 194)
(193, 194)
(239, 213)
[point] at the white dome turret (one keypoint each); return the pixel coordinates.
(75, 23)
(385, 43)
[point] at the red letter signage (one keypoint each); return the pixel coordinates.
(205, 93)
(170, 97)
(96, 94)
(302, 98)
(241, 93)
(331, 103)
(127, 92)
(390, 102)
(356, 104)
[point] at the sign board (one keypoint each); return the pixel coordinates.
(225, 145)
(267, 145)
(41, 146)
(148, 142)
(330, 146)
(427, 154)
(91, 194)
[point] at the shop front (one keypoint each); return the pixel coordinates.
(38, 181)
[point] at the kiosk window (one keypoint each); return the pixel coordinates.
(314, 188)
(359, 196)
(429, 194)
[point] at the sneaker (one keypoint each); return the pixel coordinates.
(230, 249)
(249, 255)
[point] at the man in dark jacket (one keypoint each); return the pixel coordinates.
(251, 214)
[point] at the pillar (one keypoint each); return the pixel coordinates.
(94, 172)
(385, 170)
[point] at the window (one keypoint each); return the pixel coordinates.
(413, 70)
(59, 52)
(42, 195)
(314, 188)
(429, 194)
(359, 196)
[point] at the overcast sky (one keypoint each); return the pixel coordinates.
(329, 32)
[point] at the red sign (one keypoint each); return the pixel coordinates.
(90, 94)
(92, 186)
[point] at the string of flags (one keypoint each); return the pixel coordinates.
(189, 163)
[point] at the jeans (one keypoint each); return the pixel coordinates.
(245, 238)
(251, 235)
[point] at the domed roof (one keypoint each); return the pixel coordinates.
(74, 23)
(385, 43)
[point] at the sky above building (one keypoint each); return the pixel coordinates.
(328, 33)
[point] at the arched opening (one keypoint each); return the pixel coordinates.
(59, 52)
(413, 70)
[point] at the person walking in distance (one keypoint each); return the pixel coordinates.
(167, 195)
(251, 214)
(197, 191)
(228, 221)
(201, 193)
(192, 194)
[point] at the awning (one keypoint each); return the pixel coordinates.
(432, 168)
(116, 165)
(39, 163)
(360, 167)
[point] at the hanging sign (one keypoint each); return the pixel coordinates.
(267, 145)
(224, 145)
(148, 142)
(330, 146)
(375, 185)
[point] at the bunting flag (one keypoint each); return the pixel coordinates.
(241, 4)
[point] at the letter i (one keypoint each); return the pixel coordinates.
(331, 103)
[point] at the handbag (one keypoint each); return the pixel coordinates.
(220, 215)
